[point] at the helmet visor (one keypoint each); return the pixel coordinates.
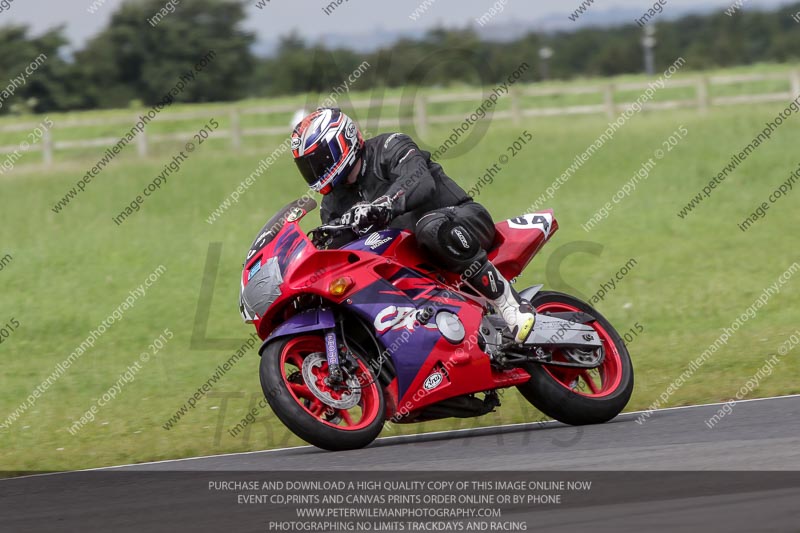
(316, 165)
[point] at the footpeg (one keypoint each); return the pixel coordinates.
(460, 357)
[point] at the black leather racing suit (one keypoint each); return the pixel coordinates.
(450, 227)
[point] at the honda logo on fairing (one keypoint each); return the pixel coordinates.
(394, 317)
(375, 240)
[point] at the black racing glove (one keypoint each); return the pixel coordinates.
(366, 218)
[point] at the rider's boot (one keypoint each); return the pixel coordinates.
(518, 314)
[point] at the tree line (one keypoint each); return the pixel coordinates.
(132, 63)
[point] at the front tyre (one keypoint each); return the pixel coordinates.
(579, 396)
(295, 380)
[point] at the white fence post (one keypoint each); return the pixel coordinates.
(515, 111)
(794, 79)
(236, 129)
(608, 100)
(141, 141)
(47, 147)
(702, 94)
(420, 115)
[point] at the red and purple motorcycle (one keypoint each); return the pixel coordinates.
(369, 331)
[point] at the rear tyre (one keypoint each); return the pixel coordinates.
(294, 374)
(574, 396)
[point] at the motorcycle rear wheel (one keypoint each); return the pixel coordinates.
(575, 396)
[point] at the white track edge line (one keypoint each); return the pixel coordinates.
(449, 431)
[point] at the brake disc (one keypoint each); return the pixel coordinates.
(350, 397)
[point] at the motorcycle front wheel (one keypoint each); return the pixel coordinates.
(296, 382)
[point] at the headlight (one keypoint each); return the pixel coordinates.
(261, 291)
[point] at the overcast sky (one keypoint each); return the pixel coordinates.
(353, 17)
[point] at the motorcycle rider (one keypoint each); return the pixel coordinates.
(388, 180)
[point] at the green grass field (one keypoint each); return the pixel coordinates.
(69, 271)
(113, 123)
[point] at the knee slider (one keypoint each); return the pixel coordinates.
(457, 241)
(449, 243)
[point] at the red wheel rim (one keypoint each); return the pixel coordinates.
(357, 417)
(594, 383)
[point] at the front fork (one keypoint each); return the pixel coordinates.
(332, 354)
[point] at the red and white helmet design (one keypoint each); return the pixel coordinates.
(326, 146)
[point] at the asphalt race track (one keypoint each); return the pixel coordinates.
(757, 435)
(669, 473)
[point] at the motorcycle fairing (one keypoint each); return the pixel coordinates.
(519, 239)
(376, 243)
(389, 291)
(393, 312)
(305, 321)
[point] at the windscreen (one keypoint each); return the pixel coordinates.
(291, 212)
